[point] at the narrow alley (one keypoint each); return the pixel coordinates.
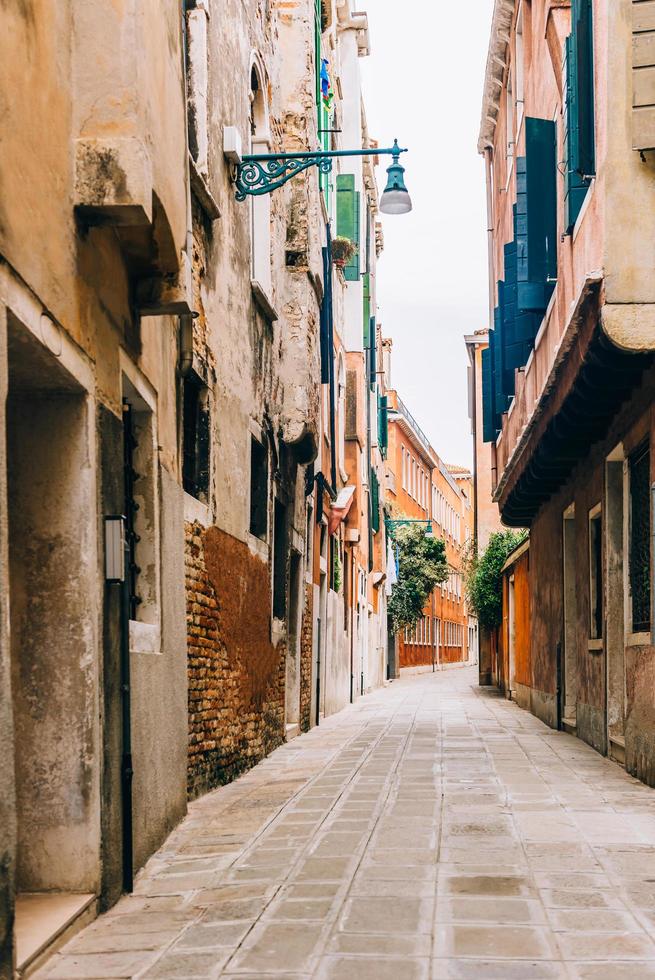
(433, 829)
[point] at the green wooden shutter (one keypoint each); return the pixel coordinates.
(535, 222)
(373, 360)
(375, 502)
(367, 308)
(348, 220)
(383, 425)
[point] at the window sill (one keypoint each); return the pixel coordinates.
(201, 190)
(195, 511)
(262, 302)
(258, 546)
(642, 639)
(144, 637)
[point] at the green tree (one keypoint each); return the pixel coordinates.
(484, 587)
(422, 565)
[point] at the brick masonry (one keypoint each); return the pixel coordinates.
(236, 674)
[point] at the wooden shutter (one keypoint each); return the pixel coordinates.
(373, 359)
(367, 309)
(575, 188)
(351, 404)
(488, 426)
(643, 75)
(584, 44)
(535, 220)
(383, 425)
(375, 502)
(348, 220)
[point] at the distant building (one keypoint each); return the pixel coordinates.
(420, 486)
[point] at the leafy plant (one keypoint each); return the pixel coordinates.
(484, 587)
(336, 571)
(343, 250)
(422, 565)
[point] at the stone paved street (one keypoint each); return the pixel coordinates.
(431, 830)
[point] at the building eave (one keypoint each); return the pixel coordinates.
(495, 71)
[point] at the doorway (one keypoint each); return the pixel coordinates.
(617, 585)
(569, 696)
(53, 605)
(511, 640)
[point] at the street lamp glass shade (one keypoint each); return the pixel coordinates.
(395, 199)
(429, 533)
(395, 202)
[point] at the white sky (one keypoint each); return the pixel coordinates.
(423, 85)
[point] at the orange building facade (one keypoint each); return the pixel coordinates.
(420, 486)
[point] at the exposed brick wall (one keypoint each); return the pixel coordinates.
(306, 660)
(236, 675)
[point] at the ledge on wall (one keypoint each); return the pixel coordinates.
(262, 302)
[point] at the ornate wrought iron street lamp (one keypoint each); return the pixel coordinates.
(261, 173)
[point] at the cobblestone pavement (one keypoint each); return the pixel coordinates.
(431, 830)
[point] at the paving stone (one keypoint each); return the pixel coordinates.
(371, 968)
(510, 942)
(545, 866)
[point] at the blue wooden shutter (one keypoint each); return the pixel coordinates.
(581, 17)
(536, 217)
(488, 415)
(575, 187)
(348, 220)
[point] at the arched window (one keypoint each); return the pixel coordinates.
(260, 237)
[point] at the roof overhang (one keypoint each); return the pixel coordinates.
(590, 379)
(495, 71)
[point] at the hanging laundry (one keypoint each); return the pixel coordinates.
(392, 571)
(327, 93)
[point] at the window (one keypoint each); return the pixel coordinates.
(595, 574)
(258, 489)
(640, 535)
(280, 561)
(260, 205)
(195, 438)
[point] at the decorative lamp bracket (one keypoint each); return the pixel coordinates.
(261, 173)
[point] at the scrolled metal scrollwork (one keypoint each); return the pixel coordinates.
(261, 176)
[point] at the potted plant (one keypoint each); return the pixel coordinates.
(343, 251)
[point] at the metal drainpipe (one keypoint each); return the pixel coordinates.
(490, 233)
(127, 770)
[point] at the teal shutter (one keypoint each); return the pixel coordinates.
(578, 112)
(535, 222)
(348, 220)
(373, 360)
(375, 502)
(581, 11)
(383, 425)
(367, 308)
(488, 422)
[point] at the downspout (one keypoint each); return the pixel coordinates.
(330, 326)
(185, 361)
(488, 155)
